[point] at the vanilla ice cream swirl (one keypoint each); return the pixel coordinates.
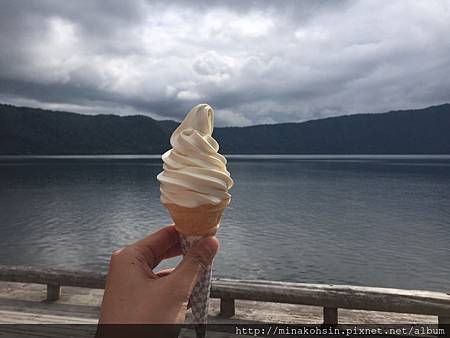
(195, 173)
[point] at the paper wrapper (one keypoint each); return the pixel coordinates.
(199, 298)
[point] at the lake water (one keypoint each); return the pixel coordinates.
(364, 220)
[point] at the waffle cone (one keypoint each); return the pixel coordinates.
(203, 220)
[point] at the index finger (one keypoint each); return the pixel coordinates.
(156, 245)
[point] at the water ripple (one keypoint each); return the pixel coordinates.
(381, 222)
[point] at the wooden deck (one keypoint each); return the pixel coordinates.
(27, 304)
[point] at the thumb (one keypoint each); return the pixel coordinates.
(197, 258)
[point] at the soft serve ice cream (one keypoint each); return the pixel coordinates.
(195, 182)
(194, 188)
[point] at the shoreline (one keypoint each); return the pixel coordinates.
(241, 156)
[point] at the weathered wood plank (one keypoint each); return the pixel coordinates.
(335, 296)
(27, 274)
(22, 317)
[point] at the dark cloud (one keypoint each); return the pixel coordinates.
(254, 61)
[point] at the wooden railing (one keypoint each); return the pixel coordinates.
(330, 297)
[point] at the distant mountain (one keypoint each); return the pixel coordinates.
(422, 131)
(38, 132)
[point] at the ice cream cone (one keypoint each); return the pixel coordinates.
(203, 220)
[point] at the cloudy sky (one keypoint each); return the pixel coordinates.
(253, 61)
